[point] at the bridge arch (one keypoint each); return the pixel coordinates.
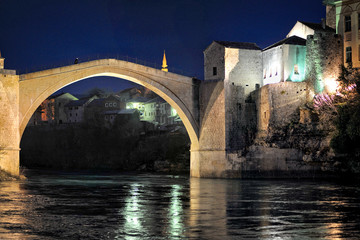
(175, 89)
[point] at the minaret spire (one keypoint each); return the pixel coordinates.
(1, 61)
(164, 64)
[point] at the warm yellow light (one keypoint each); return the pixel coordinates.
(331, 85)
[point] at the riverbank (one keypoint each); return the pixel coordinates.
(6, 177)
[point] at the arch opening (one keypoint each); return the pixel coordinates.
(159, 89)
(154, 86)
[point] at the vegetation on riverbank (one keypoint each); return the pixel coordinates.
(331, 136)
(122, 147)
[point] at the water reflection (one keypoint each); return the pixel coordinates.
(63, 206)
(175, 214)
(132, 213)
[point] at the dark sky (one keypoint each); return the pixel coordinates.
(39, 33)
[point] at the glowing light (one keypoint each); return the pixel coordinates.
(331, 85)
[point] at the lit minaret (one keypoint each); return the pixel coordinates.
(1, 62)
(164, 64)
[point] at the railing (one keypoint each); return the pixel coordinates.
(104, 56)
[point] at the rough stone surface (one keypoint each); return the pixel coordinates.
(276, 103)
(9, 123)
(323, 60)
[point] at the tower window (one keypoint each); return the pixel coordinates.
(347, 23)
(214, 71)
(358, 20)
(348, 55)
(296, 69)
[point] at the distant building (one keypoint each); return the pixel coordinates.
(96, 109)
(52, 110)
(156, 111)
(125, 114)
(139, 104)
(75, 110)
(130, 93)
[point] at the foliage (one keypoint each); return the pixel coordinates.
(96, 146)
(342, 110)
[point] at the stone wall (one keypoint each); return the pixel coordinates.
(214, 57)
(266, 162)
(277, 103)
(243, 74)
(243, 68)
(331, 16)
(323, 60)
(9, 123)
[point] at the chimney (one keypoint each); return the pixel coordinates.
(323, 23)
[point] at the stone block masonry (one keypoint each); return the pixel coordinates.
(9, 123)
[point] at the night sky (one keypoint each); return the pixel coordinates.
(41, 33)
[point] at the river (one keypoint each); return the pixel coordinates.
(60, 205)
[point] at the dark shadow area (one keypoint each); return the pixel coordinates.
(133, 129)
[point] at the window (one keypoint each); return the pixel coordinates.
(358, 20)
(348, 55)
(347, 23)
(264, 73)
(270, 73)
(296, 69)
(214, 71)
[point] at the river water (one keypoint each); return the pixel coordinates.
(55, 205)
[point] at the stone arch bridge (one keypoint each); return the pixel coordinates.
(201, 109)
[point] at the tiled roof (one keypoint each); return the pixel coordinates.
(97, 102)
(240, 45)
(77, 103)
(138, 99)
(293, 40)
(318, 26)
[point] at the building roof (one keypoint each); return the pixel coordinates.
(61, 94)
(239, 45)
(77, 103)
(157, 100)
(318, 26)
(120, 112)
(293, 40)
(138, 99)
(97, 102)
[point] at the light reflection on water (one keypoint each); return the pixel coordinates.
(145, 206)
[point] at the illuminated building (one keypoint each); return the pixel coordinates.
(52, 110)
(344, 16)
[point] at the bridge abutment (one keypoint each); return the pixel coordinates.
(9, 122)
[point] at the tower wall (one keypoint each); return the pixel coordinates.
(323, 59)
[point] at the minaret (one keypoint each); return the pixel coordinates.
(164, 64)
(1, 61)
